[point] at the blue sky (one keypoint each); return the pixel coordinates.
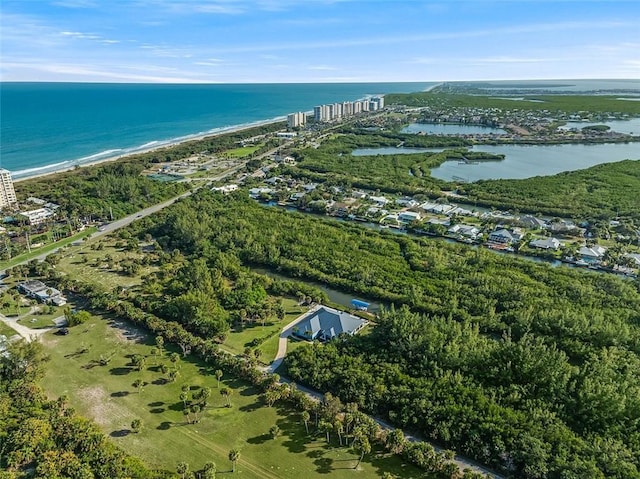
(261, 41)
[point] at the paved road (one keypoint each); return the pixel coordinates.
(282, 341)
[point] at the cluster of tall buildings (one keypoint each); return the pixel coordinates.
(296, 120)
(337, 111)
(7, 193)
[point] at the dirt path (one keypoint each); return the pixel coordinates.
(28, 333)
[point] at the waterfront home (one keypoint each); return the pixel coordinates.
(532, 222)
(546, 243)
(408, 217)
(256, 192)
(502, 236)
(437, 208)
(592, 254)
(634, 257)
(326, 323)
(466, 231)
(406, 202)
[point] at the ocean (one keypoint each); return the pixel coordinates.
(47, 127)
(52, 126)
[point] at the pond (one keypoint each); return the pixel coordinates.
(450, 129)
(526, 161)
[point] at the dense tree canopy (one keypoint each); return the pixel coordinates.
(530, 368)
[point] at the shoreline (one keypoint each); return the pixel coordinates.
(64, 166)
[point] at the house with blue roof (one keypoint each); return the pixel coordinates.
(324, 324)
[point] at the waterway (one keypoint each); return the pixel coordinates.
(391, 150)
(629, 127)
(526, 161)
(338, 297)
(450, 129)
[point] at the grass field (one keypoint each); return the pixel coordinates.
(238, 340)
(106, 395)
(46, 249)
(6, 330)
(243, 151)
(89, 265)
(37, 321)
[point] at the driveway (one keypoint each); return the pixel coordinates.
(27, 333)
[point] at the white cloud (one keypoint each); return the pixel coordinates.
(322, 68)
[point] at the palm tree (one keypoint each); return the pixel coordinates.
(305, 418)
(219, 376)
(234, 455)
(138, 383)
(209, 470)
(326, 428)
(136, 425)
(274, 431)
(361, 445)
(226, 393)
(182, 468)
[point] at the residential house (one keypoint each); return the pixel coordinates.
(437, 208)
(339, 209)
(225, 189)
(38, 290)
(406, 202)
(326, 323)
(592, 254)
(546, 243)
(466, 231)
(408, 216)
(379, 200)
(634, 257)
(256, 192)
(358, 194)
(502, 236)
(532, 222)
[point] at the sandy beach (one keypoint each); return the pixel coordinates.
(73, 164)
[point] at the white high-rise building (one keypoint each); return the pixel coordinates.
(7, 193)
(295, 120)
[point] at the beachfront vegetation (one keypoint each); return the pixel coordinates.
(499, 358)
(101, 191)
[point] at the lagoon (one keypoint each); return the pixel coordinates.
(629, 127)
(390, 150)
(526, 161)
(450, 129)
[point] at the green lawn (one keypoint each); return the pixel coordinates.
(6, 330)
(37, 321)
(106, 395)
(46, 249)
(243, 151)
(238, 340)
(91, 266)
